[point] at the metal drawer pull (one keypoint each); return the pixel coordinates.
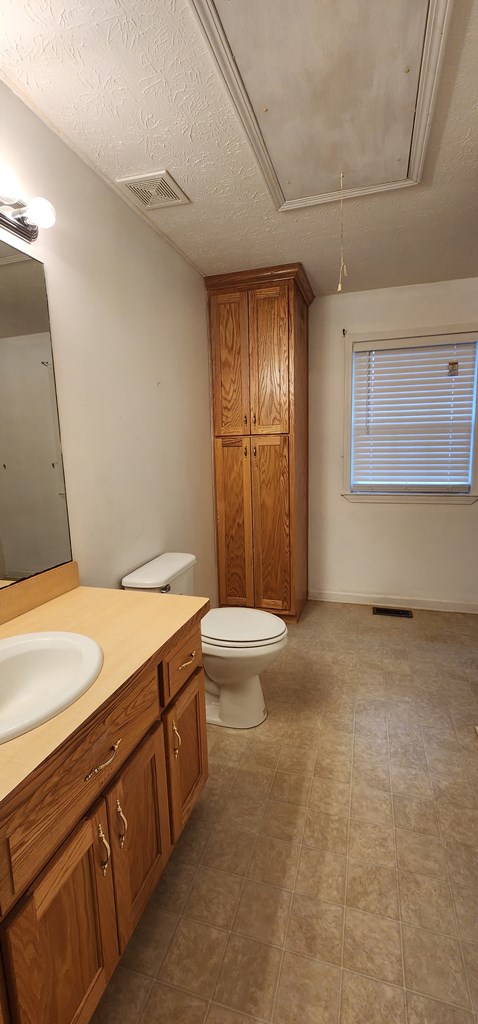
(103, 840)
(189, 662)
(176, 749)
(94, 771)
(122, 835)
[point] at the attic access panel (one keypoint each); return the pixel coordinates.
(328, 87)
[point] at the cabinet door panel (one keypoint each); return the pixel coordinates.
(138, 817)
(186, 751)
(269, 359)
(230, 363)
(61, 948)
(4, 1014)
(234, 521)
(270, 510)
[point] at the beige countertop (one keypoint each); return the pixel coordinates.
(130, 628)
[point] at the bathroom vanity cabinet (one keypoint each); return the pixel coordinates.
(258, 329)
(86, 836)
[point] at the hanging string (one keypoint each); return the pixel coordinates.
(343, 268)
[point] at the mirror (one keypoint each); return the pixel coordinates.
(34, 532)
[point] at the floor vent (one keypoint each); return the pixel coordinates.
(400, 613)
(152, 191)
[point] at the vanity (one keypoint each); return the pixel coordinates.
(93, 801)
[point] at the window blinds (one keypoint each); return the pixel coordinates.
(413, 418)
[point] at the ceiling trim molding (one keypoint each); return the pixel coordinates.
(223, 57)
(438, 19)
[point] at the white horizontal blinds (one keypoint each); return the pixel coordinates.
(413, 418)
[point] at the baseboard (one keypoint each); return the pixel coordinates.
(394, 602)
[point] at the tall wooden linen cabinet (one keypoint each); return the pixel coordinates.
(258, 329)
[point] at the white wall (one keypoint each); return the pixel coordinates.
(128, 324)
(409, 553)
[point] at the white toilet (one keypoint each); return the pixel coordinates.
(238, 643)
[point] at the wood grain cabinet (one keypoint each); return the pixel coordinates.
(258, 328)
(186, 751)
(61, 947)
(138, 820)
(63, 937)
(4, 1014)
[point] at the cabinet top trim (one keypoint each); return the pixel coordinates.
(263, 275)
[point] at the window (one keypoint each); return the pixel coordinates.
(412, 415)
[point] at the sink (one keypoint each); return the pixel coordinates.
(41, 674)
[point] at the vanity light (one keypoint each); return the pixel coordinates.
(41, 212)
(23, 218)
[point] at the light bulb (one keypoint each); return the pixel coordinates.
(41, 212)
(9, 187)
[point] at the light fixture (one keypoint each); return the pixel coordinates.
(20, 216)
(40, 212)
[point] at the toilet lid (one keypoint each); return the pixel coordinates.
(241, 627)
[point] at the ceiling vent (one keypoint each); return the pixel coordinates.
(152, 191)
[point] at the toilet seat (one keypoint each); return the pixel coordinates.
(241, 628)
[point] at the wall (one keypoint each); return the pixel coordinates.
(128, 324)
(397, 553)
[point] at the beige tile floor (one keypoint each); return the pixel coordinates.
(329, 874)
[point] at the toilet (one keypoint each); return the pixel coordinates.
(238, 643)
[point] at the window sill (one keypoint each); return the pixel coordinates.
(403, 498)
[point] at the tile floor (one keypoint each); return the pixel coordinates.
(329, 874)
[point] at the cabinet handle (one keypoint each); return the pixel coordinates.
(245, 421)
(254, 418)
(245, 450)
(99, 768)
(189, 662)
(104, 842)
(176, 749)
(254, 451)
(122, 835)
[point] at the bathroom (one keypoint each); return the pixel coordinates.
(129, 326)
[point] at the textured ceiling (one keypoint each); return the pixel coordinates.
(131, 85)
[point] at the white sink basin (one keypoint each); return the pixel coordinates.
(42, 674)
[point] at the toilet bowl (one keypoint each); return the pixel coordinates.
(238, 643)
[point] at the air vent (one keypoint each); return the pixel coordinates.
(151, 191)
(400, 613)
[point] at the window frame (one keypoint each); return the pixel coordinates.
(409, 338)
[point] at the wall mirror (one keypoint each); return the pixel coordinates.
(34, 532)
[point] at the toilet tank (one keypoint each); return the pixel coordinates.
(169, 573)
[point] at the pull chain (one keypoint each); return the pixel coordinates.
(343, 268)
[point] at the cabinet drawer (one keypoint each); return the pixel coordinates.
(181, 664)
(70, 781)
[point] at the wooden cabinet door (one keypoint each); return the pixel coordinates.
(269, 359)
(270, 513)
(230, 363)
(234, 521)
(61, 947)
(4, 1015)
(186, 751)
(138, 818)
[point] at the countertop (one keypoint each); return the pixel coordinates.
(130, 627)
